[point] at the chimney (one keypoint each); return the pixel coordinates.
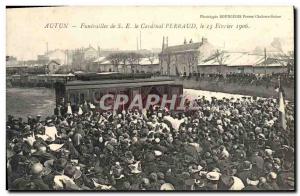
(265, 54)
(140, 40)
(98, 51)
(167, 42)
(163, 44)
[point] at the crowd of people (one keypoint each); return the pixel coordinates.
(269, 80)
(226, 144)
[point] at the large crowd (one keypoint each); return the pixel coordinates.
(226, 144)
(268, 80)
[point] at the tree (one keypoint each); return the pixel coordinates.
(133, 59)
(115, 59)
(78, 59)
(191, 59)
(125, 58)
(220, 57)
(151, 57)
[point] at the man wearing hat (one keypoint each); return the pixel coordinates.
(258, 160)
(213, 180)
(245, 171)
(286, 179)
(154, 184)
(33, 182)
(263, 184)
(74, 174)
(272, 180)
(38, 118)
(252, 183)
(57, 167)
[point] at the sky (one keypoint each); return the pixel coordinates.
(26, 35)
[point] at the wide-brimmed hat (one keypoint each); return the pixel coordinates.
(135, 168)
(157, 153)
(272, 175)
(195, 168)
(214, 176)
(247, 165)
(268, 152)
(167, 187)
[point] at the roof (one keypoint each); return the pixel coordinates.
(204, 49)
(143, 61)
(146, 61)
(118, 83)
(99, 59)
(89, 48)
(106, 73)
(183, 47)
(102, 60)
(236, 59)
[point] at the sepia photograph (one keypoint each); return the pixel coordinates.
(150, 98)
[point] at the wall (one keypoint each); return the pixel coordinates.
(101, 67)
(185, 63)
(252, 90)
(209, 69)
(148, 68)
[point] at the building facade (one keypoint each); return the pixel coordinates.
(183, 59)
(90, 53)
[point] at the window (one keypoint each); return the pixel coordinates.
(74, 98)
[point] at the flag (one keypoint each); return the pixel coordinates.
(69, 111)
(80, 110)
(175, 123)
(281, 108)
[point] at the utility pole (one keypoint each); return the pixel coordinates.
(265, 62)
(140, 40)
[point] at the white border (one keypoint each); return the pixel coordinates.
(3, 3)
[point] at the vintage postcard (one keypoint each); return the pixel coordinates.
(136, 98)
